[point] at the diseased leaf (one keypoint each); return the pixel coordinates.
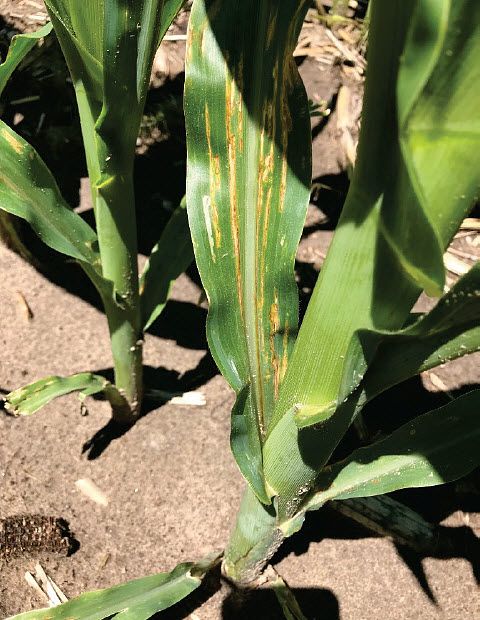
(248, 137)
(139, 599)
(169, 258)
(20, 45)
(437, 447)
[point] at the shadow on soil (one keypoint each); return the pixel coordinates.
(403, 403)
(253, 604)
(172, 384)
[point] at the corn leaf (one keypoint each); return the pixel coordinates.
(20, 45)
(29, 191)
(32, 397)
(437, 447)
(109, 46)
(374, 272)
(169, 258)
(449, 331)
(169, 12)
(139, 599)
(248, 137)
(388, 517)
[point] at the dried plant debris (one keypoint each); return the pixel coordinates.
(45, 587)
(26, 535)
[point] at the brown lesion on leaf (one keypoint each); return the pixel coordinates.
(240, 104)
(284, 364)
(16, 145)
(214, 177)
(272, 26)
(230, 101)
(274, 323)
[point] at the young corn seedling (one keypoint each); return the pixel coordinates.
(300, 388)
(109, 47)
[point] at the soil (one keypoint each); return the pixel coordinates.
(170, 484)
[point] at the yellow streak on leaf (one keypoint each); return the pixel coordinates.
(191, 34)
(240, 104)
(258, 223)
(214, 177)
(232, 182)
(271, 29)
(284, 364)
(206, 204)
(274, 327)
(16, 145)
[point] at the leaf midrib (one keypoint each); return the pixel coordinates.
(250, 253)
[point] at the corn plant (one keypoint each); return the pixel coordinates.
(109, 47)
(300, 388)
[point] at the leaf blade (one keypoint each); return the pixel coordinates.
(170, 257)
(32, 397)
(29, 191)
(248, 141)
(20, 45)
(418, 454)
(135, 600)
(365, 280)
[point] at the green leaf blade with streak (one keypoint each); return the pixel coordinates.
(248, 136)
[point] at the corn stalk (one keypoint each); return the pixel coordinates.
(109, 47)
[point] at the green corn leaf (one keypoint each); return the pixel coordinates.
(169, 12)
(248, 136)
(449, 331)
(20, 45)
(169, 258)
(139, 599)
(109, 46)
(32, 397)
(28, 190)
(437, 447)
(373, 272)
